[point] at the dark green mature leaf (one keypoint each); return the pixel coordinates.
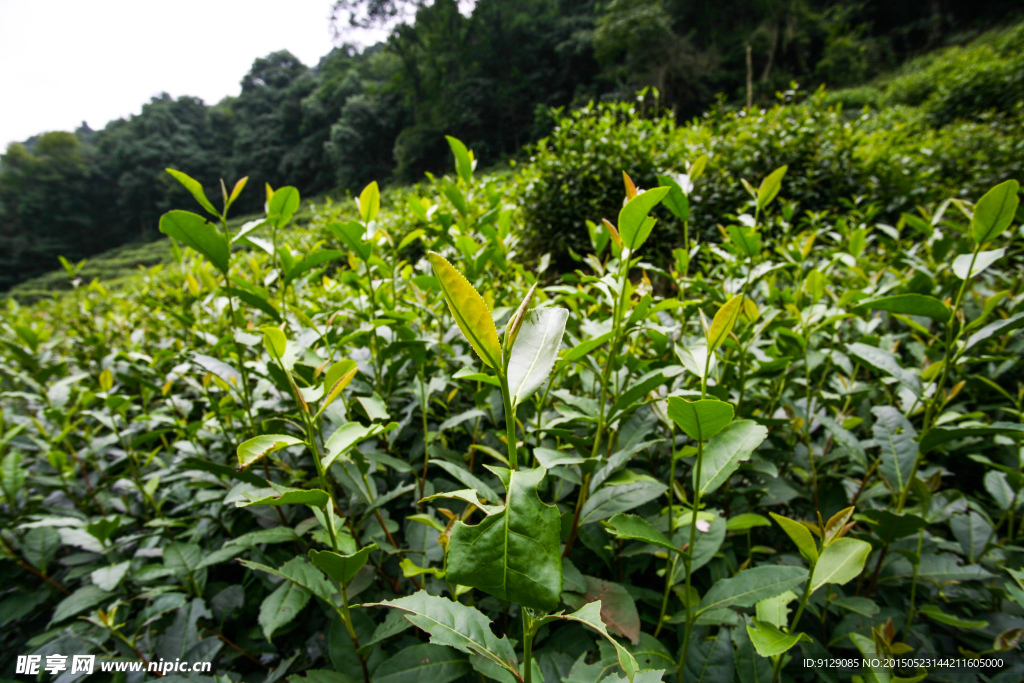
(638, 529)
(351, 235)
(634, 227)
(998, 327)
(750, 666)
(469, 310)
(341, 568)
(909, 304)
(939, 435)
(751, 586)
(709, 660)
(193, 230)
(40, 546)
(994, 212)
(534, 351)
(896, 440)
(612, 499)
(423, 663)
(700, 420)
(281, 606)
(79, 601)
(889, 527)
(455, 625)
(725, 451)
(281, 495)
(514, 552)
(886, 362)
(310, 262)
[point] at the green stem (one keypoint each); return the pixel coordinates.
(527, 645)
(510, 421)
(688, 563)
(670, 566)
(913, 585)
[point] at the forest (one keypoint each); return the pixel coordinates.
(489, 72)
(697, 373)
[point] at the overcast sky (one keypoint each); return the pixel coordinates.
(67, 61)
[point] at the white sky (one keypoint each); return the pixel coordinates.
(67, 61)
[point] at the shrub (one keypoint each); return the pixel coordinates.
(572, 170)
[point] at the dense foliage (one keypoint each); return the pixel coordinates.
(486, 71)
(291, 446)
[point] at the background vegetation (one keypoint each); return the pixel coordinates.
(488, 74)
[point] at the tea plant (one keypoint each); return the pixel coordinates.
(797, 438)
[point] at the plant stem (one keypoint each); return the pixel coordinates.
(510, 421)
(527, 645)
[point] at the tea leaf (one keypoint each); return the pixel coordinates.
(252, 450)
(369, 202)
(455, 625)
(638, 529)
(723, 322)
(994, 212)
(910, 304)
(193, 230)
(725, 451)
(800, 536)
(840, 562)
(770, 187)
(534, 351)
(423, 662)
(469, 310)
(769, 641)
(634, 225)
(283, 204)
(896, 439)
(195, 188)
(341, 568)
(514, 552)
(751, 586)
(699, 420)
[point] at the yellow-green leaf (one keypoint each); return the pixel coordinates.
(369, 202)
(723, 322)
(799, 534)
(252, 450)
(469, 310)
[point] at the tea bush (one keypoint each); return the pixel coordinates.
(289, 446)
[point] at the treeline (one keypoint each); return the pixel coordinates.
(489, 72)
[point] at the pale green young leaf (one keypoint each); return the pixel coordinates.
(463, 160)
(909, 304)
(962, 264)
(195, 188)
(995, 211)
(252, 450)
(534, 351)
(723, 321)
(800, 536)
(369, 202)
(770, 187)
(840, 562)
(469, 310)
(769, 641)
(633, 227)
(283, 205)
